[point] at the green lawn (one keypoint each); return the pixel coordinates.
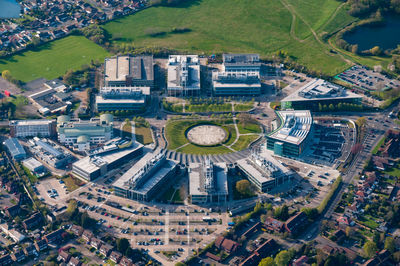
(249, 128)
(215, 26)
(393, 171)
(143, 135)
(53, 59)
(243, 142)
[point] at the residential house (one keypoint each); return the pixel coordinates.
(54, 237)
(229, 246)
(12, 211)
(302, 261)
(106, 249)
(96, 243)
(74, 261)
(87, 235)
(78, 230)
(115, 257)
(125, 261)
(213, 257)
(252, 230)
(30, 250)
(295, 223)
(6, 260)
(264, 250)
(32, 222)
(63, 256)
(274, 225)
(40, 245)
(18, 256)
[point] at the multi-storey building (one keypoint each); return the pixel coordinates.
(146, 178)
(208, 182)
(291, 138)
(129, 71)
(80, 135)
(183, 75)
(32, 128)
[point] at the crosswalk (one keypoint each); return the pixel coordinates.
(186, 159)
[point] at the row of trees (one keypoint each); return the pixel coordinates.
(6, 74)
(362, 8)
(339, 107)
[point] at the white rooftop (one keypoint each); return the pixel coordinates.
(220, 179)
(319, 89)
(295, 127)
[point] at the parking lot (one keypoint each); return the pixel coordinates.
(51, 191)
(367, 79)
(157, 227)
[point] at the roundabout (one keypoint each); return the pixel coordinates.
(206, 135)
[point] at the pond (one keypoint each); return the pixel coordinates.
(385, 35)
(9, 9)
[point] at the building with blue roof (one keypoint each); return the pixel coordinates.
(15, 149)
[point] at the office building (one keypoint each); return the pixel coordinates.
(50, 152)
(129, 71)
(34, 165)
(15, 149)
(32, 128)
(146, 178)
(81, 135)
(97, 165)
(122, 98)
(235, 84)
(264, 171)
(49, 101)
(183, 75)
(240, 76)
(291, 138)
(241, 63)
(208, 182)
(319, 92)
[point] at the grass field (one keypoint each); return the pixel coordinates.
(193, 149)
(214, 26)
(143, 135)
(243, 142)
(53, 59)
(249, 128)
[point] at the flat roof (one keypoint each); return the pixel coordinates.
(101, 100)
(220, 177)
(319, 89)
(295, 126)
(31, 122)
(152, 177)
(90, 164)
(184, 72)
(118, 68)
(241, 59)
(32, 163)
(255, 169)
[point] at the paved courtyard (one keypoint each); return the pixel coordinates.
(206, 135)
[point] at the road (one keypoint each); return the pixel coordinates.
(377, 125)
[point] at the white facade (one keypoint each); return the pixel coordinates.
(30, 128)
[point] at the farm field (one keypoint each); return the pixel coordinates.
(53, 59)
(265, 27)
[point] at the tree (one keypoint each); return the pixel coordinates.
(370, 248)
(376, 50)
(72, 208)
(354, 48)
(389, 244)
(282, 213)
(6, 74)
(69, 77)
(349, 232)
(180, 264)
(122, 245)
(356, 148)
(86, 221)
(282, 258)
(268, 261)
(243, 187)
